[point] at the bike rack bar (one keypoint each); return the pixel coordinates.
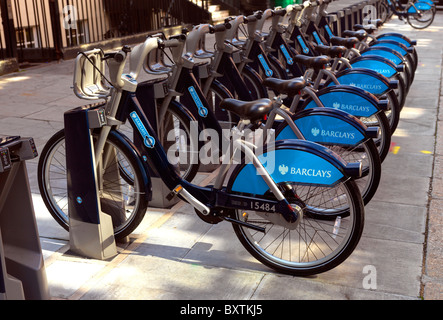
(22, 270)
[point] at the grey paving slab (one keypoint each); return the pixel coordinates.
(417, 121)
(409, 164)
(420, 144)
(399, 222)
(396, 265)
(50, 245)
(173, 280)
(428, 102)
(48, 228)
(183, 230)
(220, 247)
(275, 287)
(400, 190)
(66, 277)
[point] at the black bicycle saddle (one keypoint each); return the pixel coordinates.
(346, 42)
(331, 51)
(290, 87)
(360, 34)
(248, 110)
(319, 62)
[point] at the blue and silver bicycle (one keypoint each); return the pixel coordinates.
(277, 198)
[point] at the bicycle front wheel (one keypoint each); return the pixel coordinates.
(317, 244)
(122, 193)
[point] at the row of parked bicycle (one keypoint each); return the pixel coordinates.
(418, 13)
(325, 106)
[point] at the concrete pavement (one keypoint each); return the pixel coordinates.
(175, 255)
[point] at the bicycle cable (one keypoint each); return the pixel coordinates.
(95, 67)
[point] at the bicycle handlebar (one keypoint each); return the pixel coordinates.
(139, 54)
(171, 43)
(280, 12)
(195, 43)
(251, 18)
(116, 66)
(219, 27)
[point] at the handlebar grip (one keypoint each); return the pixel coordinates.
(120, 56)
(251, 18)
(217, 28)
(171, 43)
(280, 12)
(178, 37)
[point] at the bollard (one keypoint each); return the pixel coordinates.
(22, 270)
(91, 232)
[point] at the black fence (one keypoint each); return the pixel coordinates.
(39, 30)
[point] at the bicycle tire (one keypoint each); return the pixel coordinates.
(277, 247)
(393, 112)
(217, 93)
(384, 12)
(383, 143)
(53, 185)
(401, 93)
(185, 156)
(253, 82)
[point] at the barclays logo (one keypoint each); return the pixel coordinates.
(283, 169)
(366, 86)
(315, 131)
(350, 107)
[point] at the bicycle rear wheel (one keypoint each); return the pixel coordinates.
(122, 193)
(316, 245)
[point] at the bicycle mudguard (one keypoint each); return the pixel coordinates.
(328, 127)
(353, 100)
(365, 79)
(377, 63)
(421, 5)
(397, 46)
(292, 161)
(397, 37)
(385, 52)
(143, 166)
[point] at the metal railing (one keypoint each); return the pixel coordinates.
(41, 29)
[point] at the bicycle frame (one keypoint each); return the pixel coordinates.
(225, 68)
(278, 44)
(124, 106)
